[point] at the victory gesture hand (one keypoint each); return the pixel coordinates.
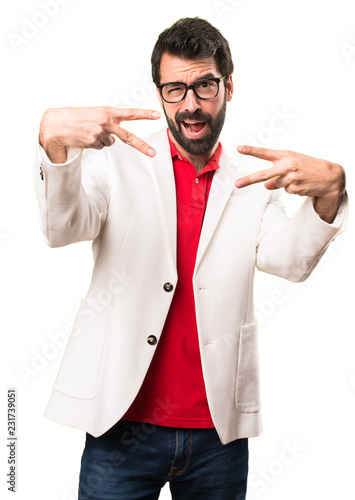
(300, 174)
(90, 127)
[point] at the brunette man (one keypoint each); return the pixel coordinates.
(161, 370)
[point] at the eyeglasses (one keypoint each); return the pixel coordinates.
(173, 92)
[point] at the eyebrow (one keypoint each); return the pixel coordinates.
(206, 76)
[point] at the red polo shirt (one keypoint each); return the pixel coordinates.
(173, 392)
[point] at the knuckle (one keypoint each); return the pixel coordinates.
(339, 170)
(292, 178)
(106, 110)
(131, 113)
(104, 119)
(102, 122)
(98, 129)
(292, 189)
(262, 151)
(95, 131)
(93, 139)
(128, 136)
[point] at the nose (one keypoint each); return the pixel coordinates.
(191, 102)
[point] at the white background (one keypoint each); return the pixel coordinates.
(296, 58)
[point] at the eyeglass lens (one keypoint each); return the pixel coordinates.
(205, 89)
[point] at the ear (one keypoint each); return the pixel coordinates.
(229, 88)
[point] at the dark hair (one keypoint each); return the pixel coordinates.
(192, 38)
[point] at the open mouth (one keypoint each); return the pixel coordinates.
(194, 129)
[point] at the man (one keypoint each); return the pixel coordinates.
(161, 369)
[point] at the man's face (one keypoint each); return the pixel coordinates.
(194, 123)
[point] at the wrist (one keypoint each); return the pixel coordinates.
(327, 207)
(55, 152)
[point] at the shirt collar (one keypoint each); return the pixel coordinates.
(213, 162)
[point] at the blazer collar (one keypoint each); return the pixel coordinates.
(165, 183)
(222, 186)
(221, 189)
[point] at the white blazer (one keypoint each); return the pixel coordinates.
(125, 202)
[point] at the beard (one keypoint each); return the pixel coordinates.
(204, 144)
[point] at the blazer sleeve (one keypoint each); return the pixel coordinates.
(291, 248)
(73, 197)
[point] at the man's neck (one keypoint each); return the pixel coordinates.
(198, 161)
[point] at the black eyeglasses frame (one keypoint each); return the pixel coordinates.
(160, 86)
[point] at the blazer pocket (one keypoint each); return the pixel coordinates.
(81, 370)
(247, 394)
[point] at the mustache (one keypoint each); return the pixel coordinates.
(196, 115)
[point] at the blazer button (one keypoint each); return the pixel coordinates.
(152, 340)
(168, 287)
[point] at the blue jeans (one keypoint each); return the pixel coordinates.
(134, 460)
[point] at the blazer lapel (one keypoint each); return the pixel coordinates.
(222, 186)
(165, 182)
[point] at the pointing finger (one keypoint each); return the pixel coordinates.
(132, 140)
(134, 114)
(261, 176)
(263, 153)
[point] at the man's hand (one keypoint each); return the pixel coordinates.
(300, 174)
(91, 127)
